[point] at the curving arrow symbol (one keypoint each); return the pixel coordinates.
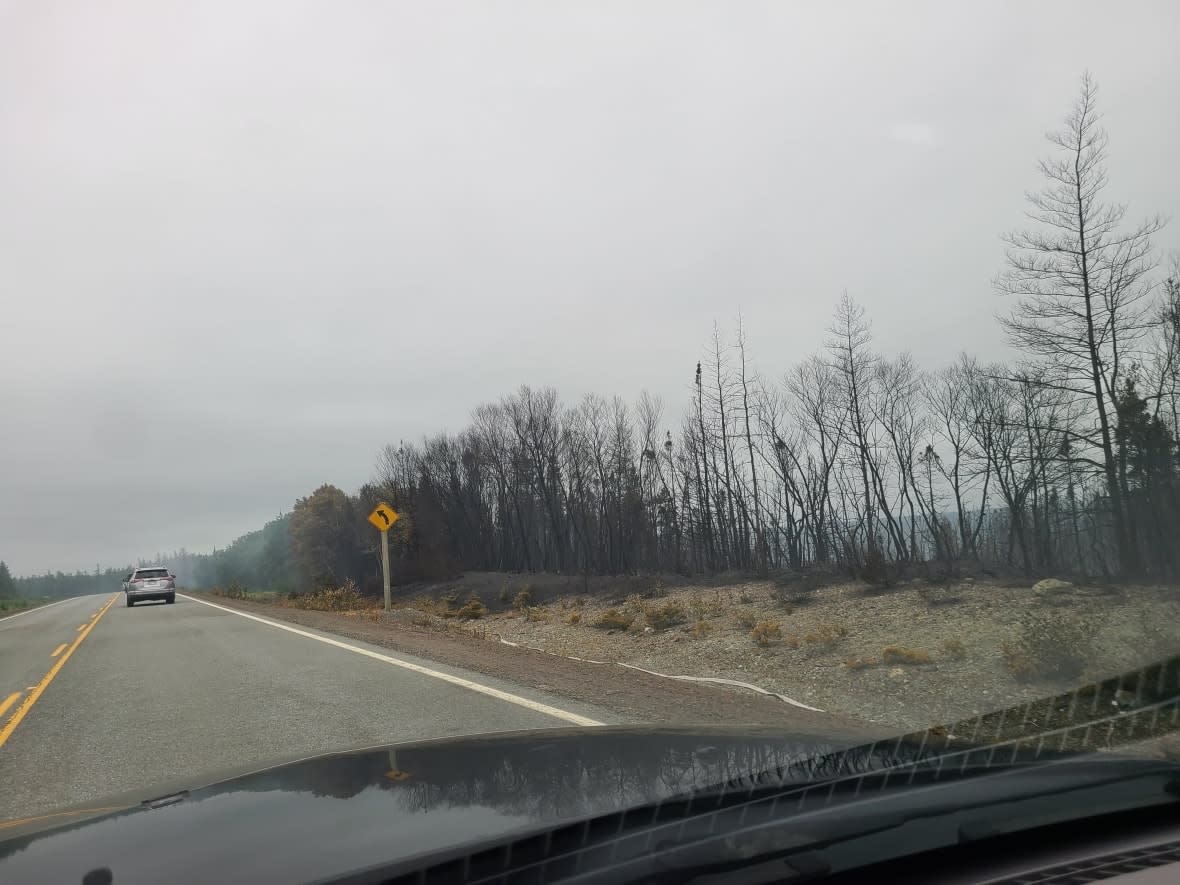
(384, 516)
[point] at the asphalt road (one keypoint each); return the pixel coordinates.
(97, 699)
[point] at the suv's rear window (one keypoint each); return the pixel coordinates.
(151, 573)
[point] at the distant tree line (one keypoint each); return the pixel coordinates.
(60, 585)
(1064, 460)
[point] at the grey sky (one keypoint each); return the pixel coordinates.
(243, 245)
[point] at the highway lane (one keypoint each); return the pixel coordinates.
(159, 693)
(32, 642)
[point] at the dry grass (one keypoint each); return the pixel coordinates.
(897, 654)
(574, 618)
(840, 623)
(327, 599)
(538, 614)
(954, 649)
(746, 619)
(661, 617)
(701, 628)
(826, 636)
(21, 604)
(766, 632)
(471, 610)
(523, 599)
(613, 619)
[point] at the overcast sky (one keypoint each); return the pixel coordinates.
(243, 245)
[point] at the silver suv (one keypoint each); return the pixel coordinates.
(153, 582)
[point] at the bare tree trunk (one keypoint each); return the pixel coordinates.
(760, 552)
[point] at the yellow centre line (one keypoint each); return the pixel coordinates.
(39, 688)
(58, 650)
(18, 821)
(8, 702)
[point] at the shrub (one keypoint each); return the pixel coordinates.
(874, 570)
(537, 614)
(661, 617)
(613, 619)
(746, 619)
(471, 610)
(857, 663)
(523, 599)
(896, 654)
(1050, 646)
(745, 598)
(701, 628)
(766, 632)
(790, 591)
(324, 599)
(826, 636)
(237, 590)
(954, 649)
(505, 596)
(791, 640)
(574, 617)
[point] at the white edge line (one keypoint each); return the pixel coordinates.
(720, 681)
(716, 680)
(536, 706)
(39, 608)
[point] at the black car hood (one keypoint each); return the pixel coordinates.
(325, 816)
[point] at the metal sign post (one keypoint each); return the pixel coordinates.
(385, 567)
(383, 517)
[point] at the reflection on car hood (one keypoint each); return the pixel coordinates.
(327, 815)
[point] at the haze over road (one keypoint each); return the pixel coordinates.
(156, 694)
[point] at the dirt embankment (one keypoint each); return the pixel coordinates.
(900, 658)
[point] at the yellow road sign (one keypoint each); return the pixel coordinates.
(383, 516)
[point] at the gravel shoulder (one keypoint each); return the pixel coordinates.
(907, 658)
(902, 658)
(632, 694)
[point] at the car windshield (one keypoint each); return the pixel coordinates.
(418, 374)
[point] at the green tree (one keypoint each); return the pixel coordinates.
(1144, 445)
(1150, 471)
(323, 536)
(7, 585)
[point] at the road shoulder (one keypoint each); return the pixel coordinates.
(631, 694)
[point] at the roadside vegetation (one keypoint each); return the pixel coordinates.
(10, 605)
(903, 655)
